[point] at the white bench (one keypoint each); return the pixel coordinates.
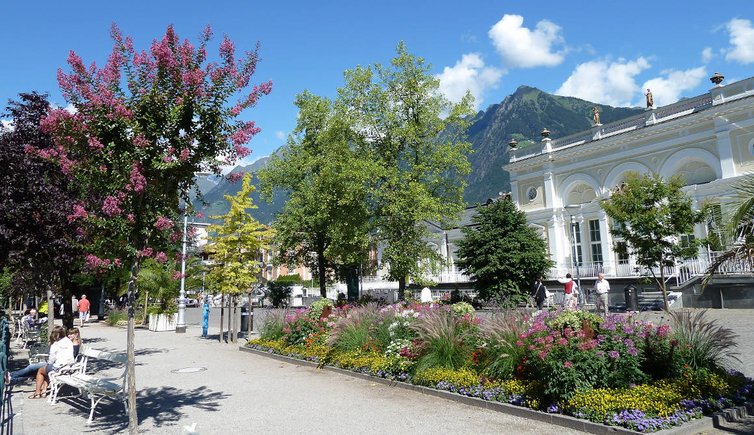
(94, 387)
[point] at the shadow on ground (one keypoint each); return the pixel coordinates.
(165, 406)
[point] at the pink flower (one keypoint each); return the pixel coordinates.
(235, 176)
(111, 206)
(137, 181)
(130, 218)
(200, 215)
(117, 262)
(78, 213)
(140, 141)
(562, 341)
(95, 144)
(161, 257)
(177, 275)
(568, 365)
(164, 223)
(146, 252)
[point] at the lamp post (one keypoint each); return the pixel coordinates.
(575, 252)
(180, 326)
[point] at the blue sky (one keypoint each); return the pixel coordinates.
(607, 52)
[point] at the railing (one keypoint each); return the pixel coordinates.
(679, 274)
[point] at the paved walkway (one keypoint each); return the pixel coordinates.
(239, 392)
(234, 391)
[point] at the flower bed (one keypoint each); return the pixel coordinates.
(618, 371)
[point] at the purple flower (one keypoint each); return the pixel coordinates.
(613, 354)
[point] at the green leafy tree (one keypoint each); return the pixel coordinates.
(651, 215)
(325, 223)
(144, 124)
(502, 253)
(235, 246)
(416, 140)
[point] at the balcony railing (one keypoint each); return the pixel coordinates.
(682, 272)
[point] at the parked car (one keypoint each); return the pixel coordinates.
(190, 302)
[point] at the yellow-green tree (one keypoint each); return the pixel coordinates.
(234, 247)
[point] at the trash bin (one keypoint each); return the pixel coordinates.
(245, 317)
(632, 298)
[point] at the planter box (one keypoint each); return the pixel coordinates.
(162, 322)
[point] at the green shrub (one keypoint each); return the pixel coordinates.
(278, 292)
(460, 309)
(575, 320)
(444, 342)
(702, 342)
(272, 327)
(318, 306)
(116, 316)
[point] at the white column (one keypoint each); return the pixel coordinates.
(724, 148)
(551, 199)
(514, 192)
(558, 243)
(606, 240)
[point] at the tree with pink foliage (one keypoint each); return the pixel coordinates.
(143, 125)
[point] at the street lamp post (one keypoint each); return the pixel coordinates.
(181, 324)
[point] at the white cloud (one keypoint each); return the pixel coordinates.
(742, 41)
(602, 81)
(468, 74)
(707, 55)
(668, 89)
(6, 124)
(280, 134)
(524, 48)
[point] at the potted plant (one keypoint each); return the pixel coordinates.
(158, 290)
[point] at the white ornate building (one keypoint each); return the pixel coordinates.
(707, 139)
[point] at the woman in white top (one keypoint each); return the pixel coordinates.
(61, 354)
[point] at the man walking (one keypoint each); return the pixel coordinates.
(603, 288)
(83, 309)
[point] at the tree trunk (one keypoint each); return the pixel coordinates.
(322, 271)
(663, 288)
(133, 420)
(146, 306)
(50, 307)
(230, 316)
(234, 333)
(222, 315)
(402, 288)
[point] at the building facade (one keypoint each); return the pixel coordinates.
(708, 140)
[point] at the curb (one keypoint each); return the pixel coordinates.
(733, 414)
(518, 411)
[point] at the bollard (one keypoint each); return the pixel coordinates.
(205, 318)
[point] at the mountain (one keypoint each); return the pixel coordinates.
(524, 115)
(216, 204)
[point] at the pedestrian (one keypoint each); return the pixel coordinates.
(83, 310)
(569, 290)
(539, 292)
(74, 306)
(602, 286)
